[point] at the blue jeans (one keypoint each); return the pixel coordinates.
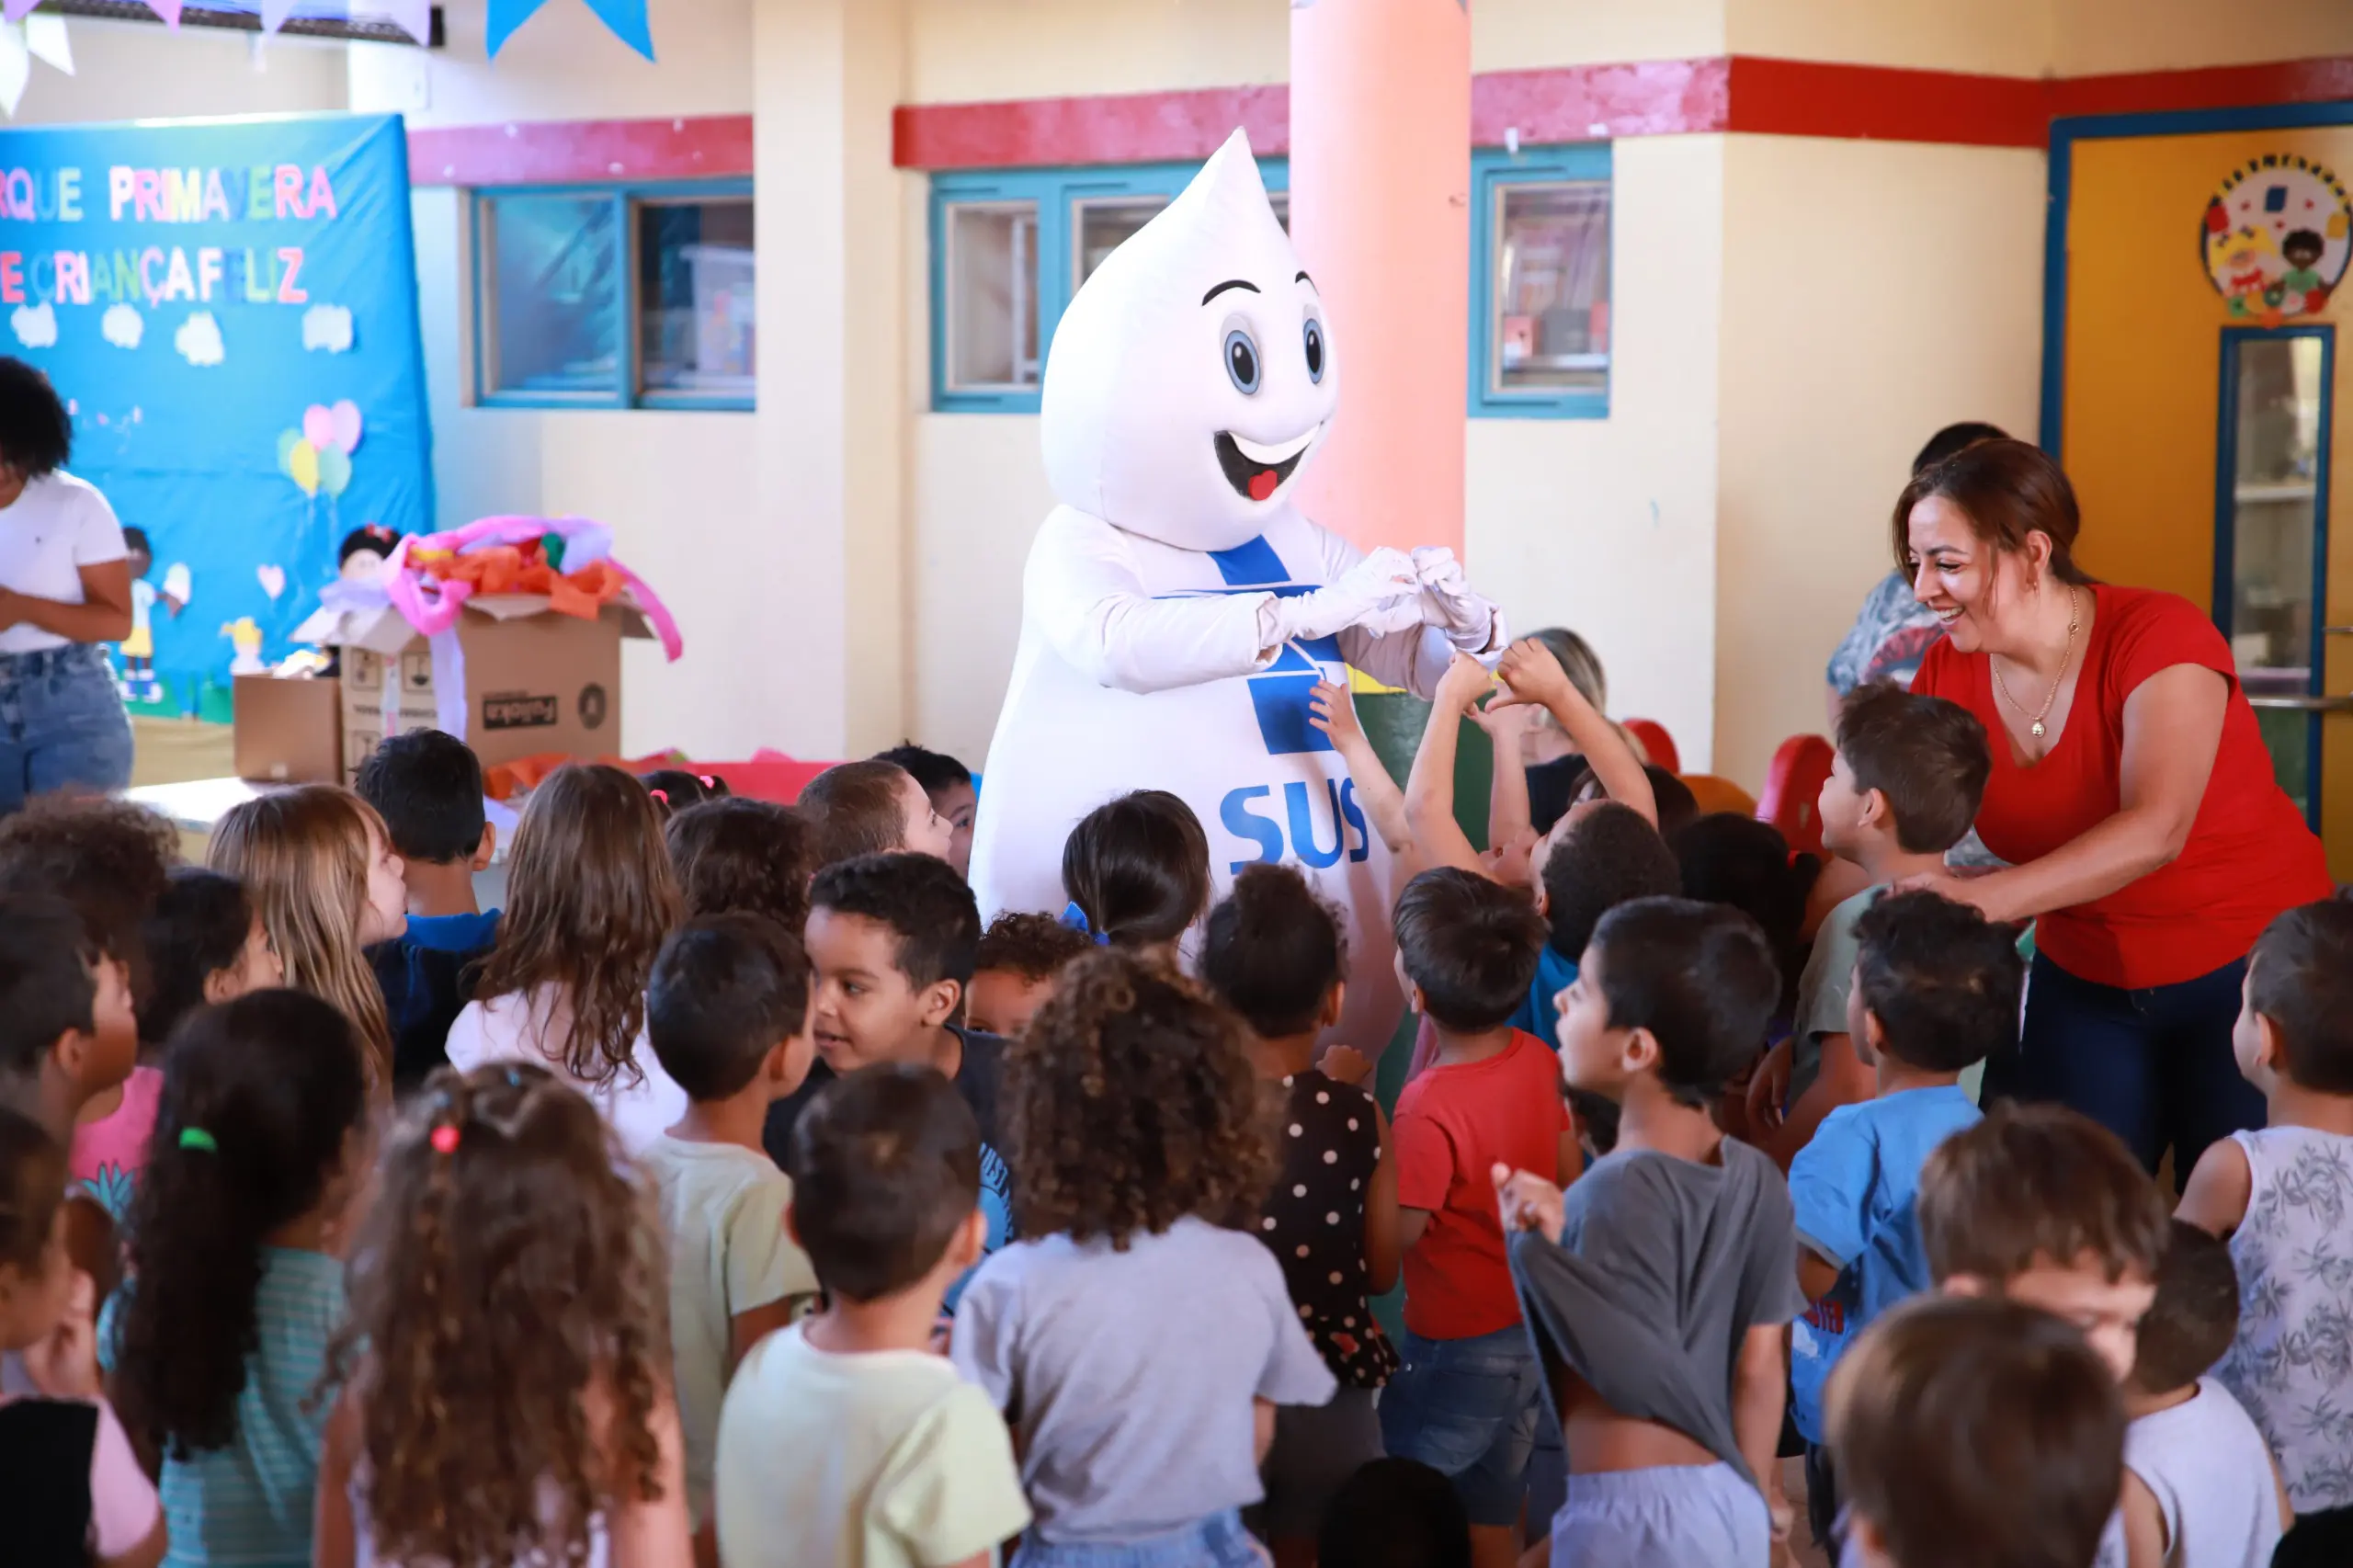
(61, 724)
(1468, 1409)
(1218, 1541)
(2153, 1065)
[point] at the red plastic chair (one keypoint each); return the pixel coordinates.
(1793, 790)
(1657, 742)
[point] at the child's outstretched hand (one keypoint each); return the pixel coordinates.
(1532, 678)
(1345, 1065)
(1332, 710)
(1529, 1202)
(1466, 681)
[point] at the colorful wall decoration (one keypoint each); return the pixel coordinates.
(230, 309)
(2276, 237)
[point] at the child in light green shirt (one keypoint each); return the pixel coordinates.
(727, 1012)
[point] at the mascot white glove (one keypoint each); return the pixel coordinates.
(1447, 602)
(1379, 595)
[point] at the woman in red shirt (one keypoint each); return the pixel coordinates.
(2131, 792)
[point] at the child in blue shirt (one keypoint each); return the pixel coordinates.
(1935, 989)
(428, 788)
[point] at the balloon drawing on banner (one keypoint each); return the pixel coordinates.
(1177, 610)
(317, 456)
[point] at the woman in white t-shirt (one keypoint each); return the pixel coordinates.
(64, 588)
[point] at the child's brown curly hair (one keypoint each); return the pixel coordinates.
(1132, 1104)
(509, 1265)
(108, 859)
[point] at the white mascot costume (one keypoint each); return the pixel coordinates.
(1177, 610)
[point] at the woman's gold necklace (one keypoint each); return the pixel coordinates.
(2035, 725)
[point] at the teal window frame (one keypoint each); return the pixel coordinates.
(1493, 171)
(624, 391)
(1055, 192)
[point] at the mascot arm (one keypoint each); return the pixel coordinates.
(1413, 659)
(1085, 593)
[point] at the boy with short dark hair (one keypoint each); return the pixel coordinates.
(737, 855)
(1464, 1401)
(426, 785)
(873, 808)
(1014, 974)
(1603, 854)
(65, 1012)
(1935, 990)
(2281, 1195)
(1976, 1432)
(727, 1014)
(844, 1439)
(2199, 1488)
(1904, 788)
(2040, 1204)
(893, 939)
(1658, 1284)
(954, 797)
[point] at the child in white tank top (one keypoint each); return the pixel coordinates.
(2199, 1488)
(2283, 1197)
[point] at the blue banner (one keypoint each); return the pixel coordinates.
(230, 309)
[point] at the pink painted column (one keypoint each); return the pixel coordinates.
(1379, 206)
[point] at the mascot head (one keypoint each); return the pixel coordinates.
(1192, 375)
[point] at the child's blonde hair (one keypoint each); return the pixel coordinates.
(590, 895)
(303, 856)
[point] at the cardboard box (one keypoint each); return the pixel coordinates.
(536, 682)
(288, 731)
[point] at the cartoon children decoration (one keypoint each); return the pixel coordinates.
(2276, 237)
(137, 678)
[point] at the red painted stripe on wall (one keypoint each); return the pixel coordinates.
(1804, 98)
(1137, 128)
(566, 151)
(1587, 103)
(2324, 80)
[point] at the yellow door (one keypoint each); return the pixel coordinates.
(2206, 403)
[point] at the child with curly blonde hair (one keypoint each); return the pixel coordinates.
(504, 1372)
(1138, 1150)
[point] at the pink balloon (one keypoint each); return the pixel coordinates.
(318, 425)
(345, 416)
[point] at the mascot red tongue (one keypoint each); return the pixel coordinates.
(1177, 610)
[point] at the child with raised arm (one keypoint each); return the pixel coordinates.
(1466, 1401)
(2282, 1196)
(1659, 1286)
(1935, 989)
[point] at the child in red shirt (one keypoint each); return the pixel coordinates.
(1466, 1398)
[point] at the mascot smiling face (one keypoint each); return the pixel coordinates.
(1192, 376)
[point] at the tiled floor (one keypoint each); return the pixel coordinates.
(1801, 1551)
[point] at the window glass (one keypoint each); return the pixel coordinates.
(551, 277)
(1100, 224)
(992, 300)
(695, 298)
(1549, 327)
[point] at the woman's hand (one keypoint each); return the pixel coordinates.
(1529, 1202)
(1983, 894)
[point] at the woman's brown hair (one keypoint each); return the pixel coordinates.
(302, 855)
(2007, 490)
(1132, 1103)
(508, 1266)
(590, 894)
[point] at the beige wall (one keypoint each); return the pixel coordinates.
(2094, 35)
(1834, 371)
(143, 71)
(2008, 38)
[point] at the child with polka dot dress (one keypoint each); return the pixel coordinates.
(1275, 956)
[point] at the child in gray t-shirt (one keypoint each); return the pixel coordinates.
(1659, 1286)
(1136, 1344)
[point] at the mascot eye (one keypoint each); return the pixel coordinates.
(1242, 362)
(1314, 335)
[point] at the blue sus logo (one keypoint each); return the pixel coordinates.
(1279, 695)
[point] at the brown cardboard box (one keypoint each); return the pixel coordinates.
(536, 681)
(288, 731)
